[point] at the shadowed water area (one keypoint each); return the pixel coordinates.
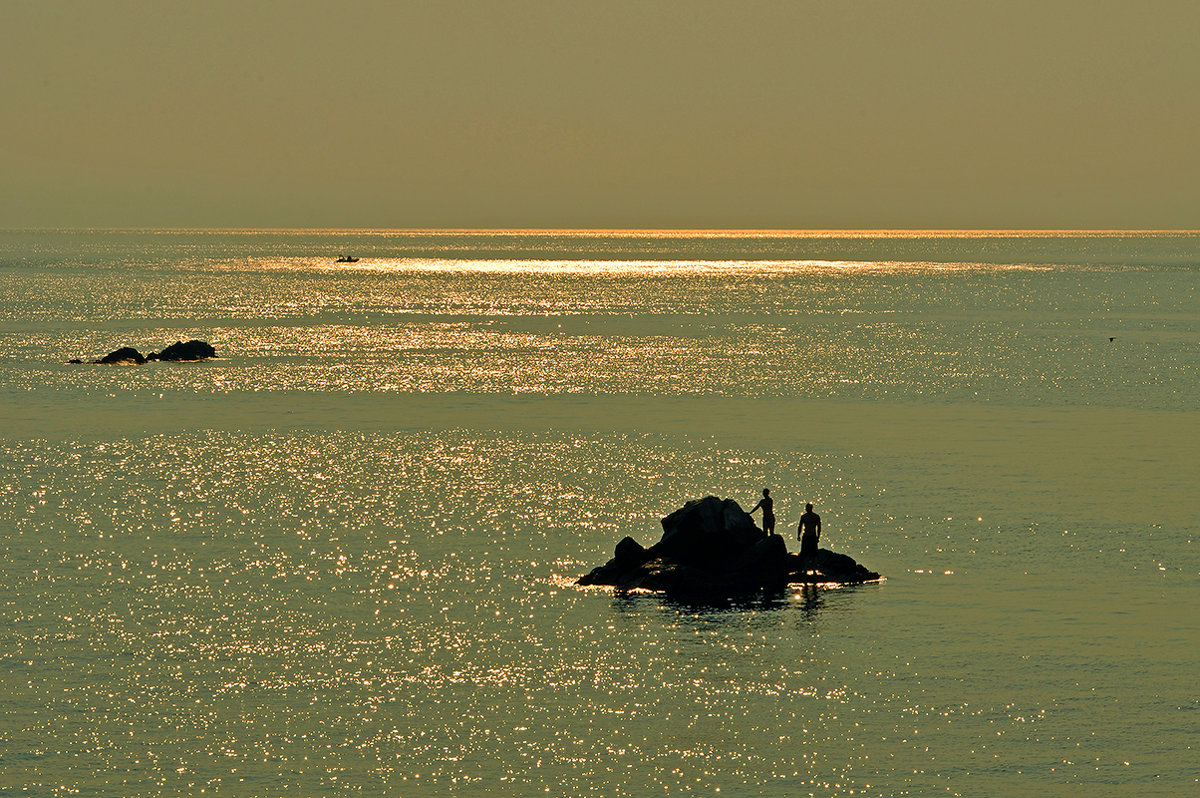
(339, 558)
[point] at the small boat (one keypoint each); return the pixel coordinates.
(346, 259)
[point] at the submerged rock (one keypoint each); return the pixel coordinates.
(711, 547)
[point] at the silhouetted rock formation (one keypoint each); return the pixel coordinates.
(126, 354)
(192, 350)
(711, 547)
(178, 351)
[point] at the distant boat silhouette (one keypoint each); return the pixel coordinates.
(346, 259)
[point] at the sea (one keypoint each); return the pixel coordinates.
(340, 559)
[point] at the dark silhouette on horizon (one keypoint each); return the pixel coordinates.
(768, 507)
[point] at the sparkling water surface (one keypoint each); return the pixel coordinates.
(339, 559)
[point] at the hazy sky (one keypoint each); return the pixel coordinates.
(600, 113)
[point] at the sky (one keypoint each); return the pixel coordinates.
(1080, 114)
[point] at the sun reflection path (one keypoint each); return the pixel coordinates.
(334, 611)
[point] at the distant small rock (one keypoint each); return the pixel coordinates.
(126, 354)
(191, 350)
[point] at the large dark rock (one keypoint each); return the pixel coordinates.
(126, 354)
(190, 350)
(707, 532)
(712, 548)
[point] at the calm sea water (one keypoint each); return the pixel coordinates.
(339, 559)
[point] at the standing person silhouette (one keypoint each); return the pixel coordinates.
(768, 507)
(809, 532)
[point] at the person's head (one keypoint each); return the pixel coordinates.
(766, 491)
(808, 508)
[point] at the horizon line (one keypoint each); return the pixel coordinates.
(715, 232)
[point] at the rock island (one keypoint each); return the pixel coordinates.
(711, 547)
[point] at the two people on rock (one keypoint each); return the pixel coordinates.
(809, 532)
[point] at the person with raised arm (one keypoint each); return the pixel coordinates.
(768, 507)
